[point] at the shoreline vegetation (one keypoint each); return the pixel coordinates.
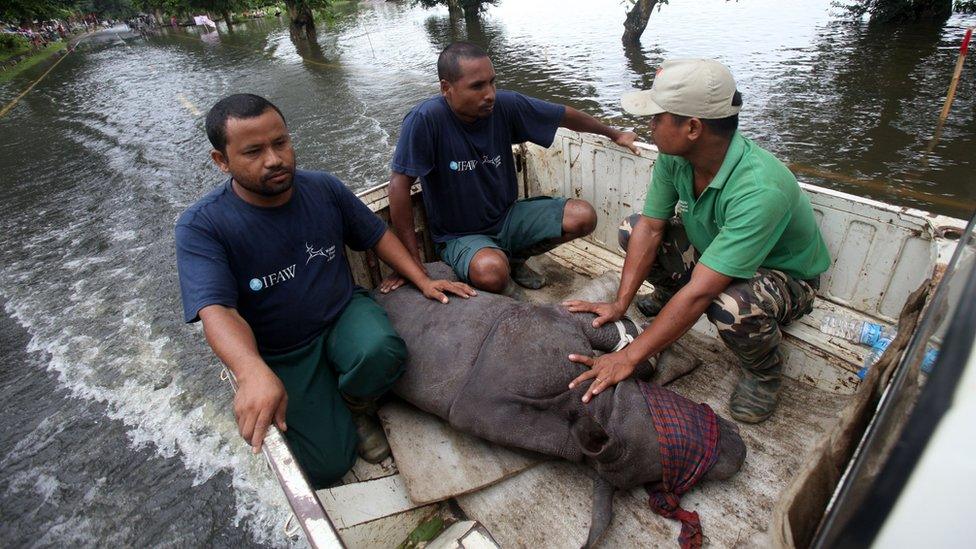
(18, 58)
(12, 63)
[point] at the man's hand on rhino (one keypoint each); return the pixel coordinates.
(607, 370)
(395, 280)
(392, 282)
(435, 289)
(605, 312)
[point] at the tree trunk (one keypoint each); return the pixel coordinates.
(636, 21)
(453, 9)
(302, 21)
(227, 19)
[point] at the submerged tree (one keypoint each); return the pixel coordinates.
(637, 17)
(302, 20)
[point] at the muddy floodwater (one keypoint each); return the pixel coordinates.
(117, 429)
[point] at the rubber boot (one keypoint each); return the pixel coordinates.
(524, 276)
(373, 446)
(650, 305)
(757, 393)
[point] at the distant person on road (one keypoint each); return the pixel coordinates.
(261, 262)
(459, 144)
(726, 231)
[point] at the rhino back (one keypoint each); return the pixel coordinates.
(518, 392)
(443, 342)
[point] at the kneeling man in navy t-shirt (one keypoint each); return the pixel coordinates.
(459, 144)
(261, 262)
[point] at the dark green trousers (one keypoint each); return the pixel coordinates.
(360, 355)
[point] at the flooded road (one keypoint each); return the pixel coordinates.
(119, 430)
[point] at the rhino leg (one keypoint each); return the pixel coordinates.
(607, 337)
(674, 362)
(602, 511)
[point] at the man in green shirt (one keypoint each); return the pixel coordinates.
(744, 247)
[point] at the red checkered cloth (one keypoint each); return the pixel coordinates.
(688, 436)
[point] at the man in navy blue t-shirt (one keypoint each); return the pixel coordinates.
(261, 262)
(459, 144)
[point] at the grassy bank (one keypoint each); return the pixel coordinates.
(7, 54)
(39, 56)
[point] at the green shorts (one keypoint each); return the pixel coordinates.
(359, 355)
(529, 222)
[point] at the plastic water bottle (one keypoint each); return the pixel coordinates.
(931, 355)
(878, 349)
(856, 331)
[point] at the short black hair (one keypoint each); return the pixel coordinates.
(239, 105)
(449, 61)
(723, 127)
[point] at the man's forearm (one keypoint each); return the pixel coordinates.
(641, 253)
(232, 340)
(394, 254)
(401, 213)
(675, 319)
(581, 122)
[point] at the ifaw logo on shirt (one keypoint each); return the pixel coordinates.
(268, 280)
(468, 165)
(284, 275)
(327, 253)
(682, 207)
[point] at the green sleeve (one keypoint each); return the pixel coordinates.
(754, 223)
(662, 195)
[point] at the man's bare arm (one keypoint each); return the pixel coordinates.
(401, 212)
(261, 397)
(645, 239)
(401, 215)
(392, 252)
(581, 122)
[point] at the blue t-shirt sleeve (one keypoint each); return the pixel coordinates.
(361, 228)
(533, 119)
(205, 274)
(414, 155)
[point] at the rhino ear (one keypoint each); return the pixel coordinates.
(593, 439)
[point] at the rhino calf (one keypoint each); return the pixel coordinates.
(498, 369)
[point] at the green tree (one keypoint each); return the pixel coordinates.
(223, 7)
(470, 8)
(103, 8)
(25, 11)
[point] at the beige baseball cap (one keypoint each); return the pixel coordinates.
(701, 88)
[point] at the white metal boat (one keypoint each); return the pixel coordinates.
(789, 483)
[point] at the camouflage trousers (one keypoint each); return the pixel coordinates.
(748, 313)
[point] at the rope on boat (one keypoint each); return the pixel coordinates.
(292, 528)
